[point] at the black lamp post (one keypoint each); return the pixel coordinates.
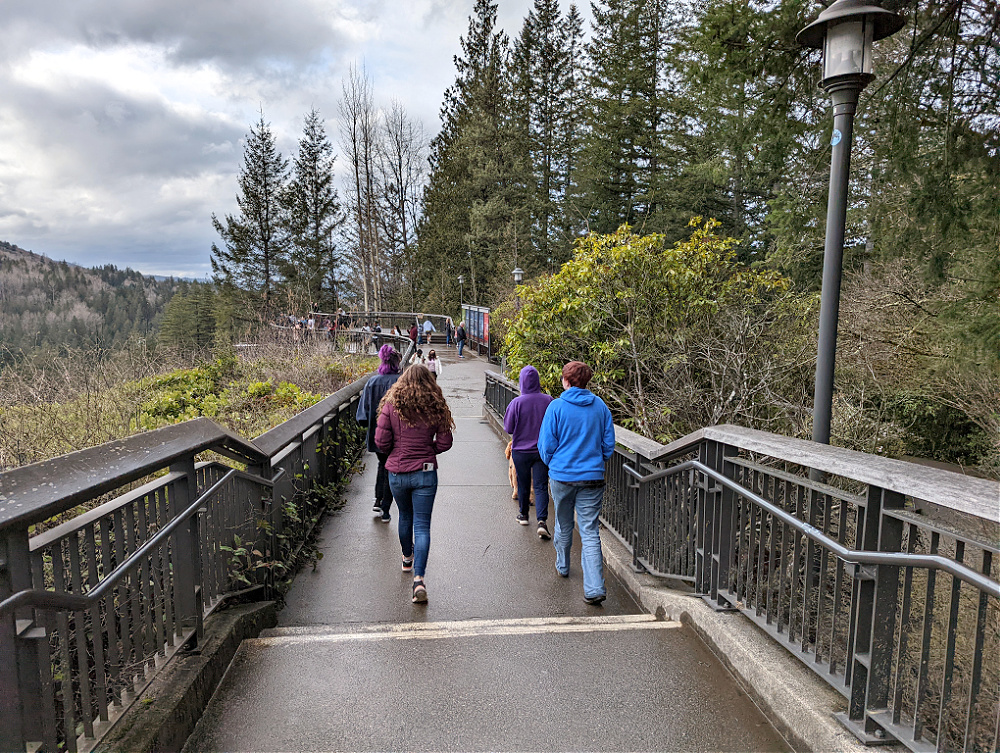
(461, 290)
(845, 32)
(518, 275)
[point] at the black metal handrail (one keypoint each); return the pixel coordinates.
(91, 608)
(51, 600)
(883, 579)
(849, 556)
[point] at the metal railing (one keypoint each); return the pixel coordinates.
(92, 606)
(883, 579)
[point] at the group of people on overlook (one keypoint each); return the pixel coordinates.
(560, 444)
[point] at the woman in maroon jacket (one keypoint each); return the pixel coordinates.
(414, 425)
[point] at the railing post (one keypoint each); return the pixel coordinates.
(639, 487)
(705, 521)
(875, 603)
(187, 549)
(723, 505)
(22, 701)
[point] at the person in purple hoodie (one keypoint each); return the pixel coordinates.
(522, 421)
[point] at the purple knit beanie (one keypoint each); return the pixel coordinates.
(390, 360)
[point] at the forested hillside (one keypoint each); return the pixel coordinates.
(48, 306)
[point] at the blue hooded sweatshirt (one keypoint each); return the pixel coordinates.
(577, 436)
(524, 415)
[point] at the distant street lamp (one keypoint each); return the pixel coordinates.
(845, 32)
(518, 275)
(461, 290)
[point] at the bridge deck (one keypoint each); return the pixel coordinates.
(505, 656)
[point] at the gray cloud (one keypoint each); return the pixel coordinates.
(232, 33)
(97, 133)
(122, 121)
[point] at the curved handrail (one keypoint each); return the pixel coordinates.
(977, 497)
(42, 598)
(29, 494)
(851, 556)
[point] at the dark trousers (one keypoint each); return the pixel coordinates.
(531, 471)
(382, 491)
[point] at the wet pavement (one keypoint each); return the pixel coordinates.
(506, 655)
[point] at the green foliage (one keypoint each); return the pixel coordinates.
(190, 319)
(248, 396)
(936, 431)
(679, 337)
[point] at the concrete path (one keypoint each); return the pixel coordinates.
(505, 656)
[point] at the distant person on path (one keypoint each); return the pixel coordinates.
(367, 415)
(434, 364)
(414, 333)
(428, 329)
(576, 439)
(449, 331)
(522, 421)
(418, 357)
(460, 338)
(414, 426)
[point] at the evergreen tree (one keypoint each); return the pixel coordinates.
(546, 118)
(254, 244)
(621, 157)
(473, 205)
(750, 104)
(312, 214)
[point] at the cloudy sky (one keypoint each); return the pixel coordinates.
(121, 121)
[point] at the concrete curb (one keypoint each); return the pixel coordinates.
(163, 717)
(795, 701)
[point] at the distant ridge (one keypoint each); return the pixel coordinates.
(48, 305)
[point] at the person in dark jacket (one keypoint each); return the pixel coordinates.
(523, 420)
(414, 426)
(367, 415)
(460, 338)
(576, 439)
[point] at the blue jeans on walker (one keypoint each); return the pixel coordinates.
(414, 494)
(585, 501)
(461, 346)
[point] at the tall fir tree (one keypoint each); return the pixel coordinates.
(620, 156)
(254, 243)
(474, 199)
(543, 68)
(312, 215)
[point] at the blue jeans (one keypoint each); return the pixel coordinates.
(531, 471)
(414, 493)
(461, 345)
(586, 503)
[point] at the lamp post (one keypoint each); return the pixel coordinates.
(518, 275)
(845, 32)
(461, 290)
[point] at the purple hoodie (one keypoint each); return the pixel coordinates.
(524, 415)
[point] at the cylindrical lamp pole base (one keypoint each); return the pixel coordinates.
(844, 93)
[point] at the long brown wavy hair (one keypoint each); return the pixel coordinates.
(418, 399)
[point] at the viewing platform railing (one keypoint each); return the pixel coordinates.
(883, 579)
(101, 584)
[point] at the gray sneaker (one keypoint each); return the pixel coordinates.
(543, 531)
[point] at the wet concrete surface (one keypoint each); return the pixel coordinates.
(505, 656)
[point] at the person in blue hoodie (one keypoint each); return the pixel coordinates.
(576, 439)
(522, 421)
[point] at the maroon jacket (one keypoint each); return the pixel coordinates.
(409, 447)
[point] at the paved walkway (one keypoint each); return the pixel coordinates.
(505, 656)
